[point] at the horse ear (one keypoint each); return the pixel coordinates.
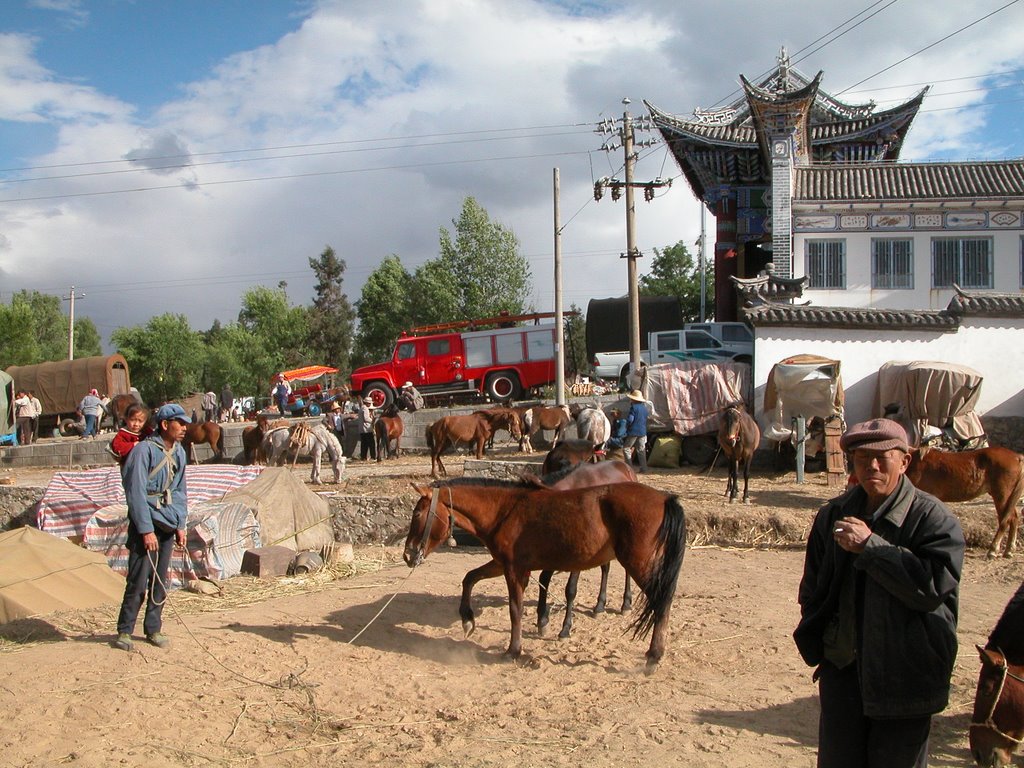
(422, 490)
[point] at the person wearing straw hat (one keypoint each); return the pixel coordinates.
(409, 398)
(154, 486)
(336, 420)
(636, 430)
(878, 604)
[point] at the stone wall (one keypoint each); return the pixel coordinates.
(18, 506)
(1007, 431)
(371, 519)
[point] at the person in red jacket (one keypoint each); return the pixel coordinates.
(128, 436)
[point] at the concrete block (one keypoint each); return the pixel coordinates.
(267, 562)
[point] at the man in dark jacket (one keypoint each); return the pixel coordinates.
(878, 604)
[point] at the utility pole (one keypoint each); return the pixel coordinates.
(625, 133)
(559, 321)
(71, 320)
(703, 267)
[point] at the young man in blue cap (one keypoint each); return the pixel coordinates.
(878, 605)
(154, 485)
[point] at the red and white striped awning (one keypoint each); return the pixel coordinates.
(308, 373)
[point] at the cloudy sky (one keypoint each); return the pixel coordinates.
(164, 157)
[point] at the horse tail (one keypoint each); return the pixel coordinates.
(220, 441)
(661, 585)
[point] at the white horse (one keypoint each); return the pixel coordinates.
(304, 440)
(592, 424)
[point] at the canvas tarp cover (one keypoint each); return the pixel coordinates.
(6, 403)
(290, 514)
(61, 385)
(218, 535)
(689, 398)
(41, 573)
(943, 395)
(72, 498)
(803, 385)
(308, 373)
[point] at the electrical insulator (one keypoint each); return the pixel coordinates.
(649, 192)
(616, 192)
(598, 191)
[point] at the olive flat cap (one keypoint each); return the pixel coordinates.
(875, 435)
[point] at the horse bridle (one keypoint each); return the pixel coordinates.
(431, 514)
(735, 438)
(989, 724)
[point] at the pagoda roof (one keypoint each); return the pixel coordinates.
(728, 145)
(992, 179)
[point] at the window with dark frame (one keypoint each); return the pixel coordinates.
(966, 261)
(826, 264)
(892, 263)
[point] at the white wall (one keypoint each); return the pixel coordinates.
(994, 348)
(1006, 247)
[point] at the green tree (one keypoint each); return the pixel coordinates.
(165, 357)
(18, 342)
(87, 338)
(273, 322)
(674, 273)
(237, 357)
(576, 342)
(49, 324)
(384, 309)
(332, 317)
(434, 295)
(479, 268)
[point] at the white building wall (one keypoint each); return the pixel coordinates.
(994, 348)
(859, 229)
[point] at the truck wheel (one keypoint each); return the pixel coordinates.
(314, 409)
(380, 393)
(743, 359)
(503, 385)
(69, 428)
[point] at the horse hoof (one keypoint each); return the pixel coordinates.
(991, 554)
(563, 635)
(467, 628)
(651, 667)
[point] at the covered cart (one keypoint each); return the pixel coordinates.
(311, 389)
(690, 398)
(935, 401)
(804, 406)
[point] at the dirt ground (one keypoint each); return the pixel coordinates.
(374, 668)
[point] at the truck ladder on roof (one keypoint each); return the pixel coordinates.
(472, 324)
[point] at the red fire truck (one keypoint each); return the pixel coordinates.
(454, 359)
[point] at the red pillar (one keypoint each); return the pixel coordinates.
(726, 261)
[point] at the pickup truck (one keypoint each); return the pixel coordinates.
(695, 341)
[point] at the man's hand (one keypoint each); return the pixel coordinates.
(150, 542)
(179, 538)
(851, 533)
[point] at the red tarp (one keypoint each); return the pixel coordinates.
(308, 373)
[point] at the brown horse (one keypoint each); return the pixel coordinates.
(542, 417)
(997, 724)
(449, 431)
(208, 432)
(569, 453)
(388, 427)
(580, 475)
(252, 439)
(965, 475)
(503, 418)
(739, 437)
(527, 528)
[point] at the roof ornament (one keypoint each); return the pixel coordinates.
(782, 83)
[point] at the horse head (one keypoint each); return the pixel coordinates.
(997, 724)
(431, 523)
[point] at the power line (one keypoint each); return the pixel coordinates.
(297, 146)
(281, 157)
(285, 176)
(930, 45)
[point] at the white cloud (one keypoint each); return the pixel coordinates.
(357, 80)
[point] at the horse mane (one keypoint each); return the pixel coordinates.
(559, 474)
(1008, 634)
(485, 482)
